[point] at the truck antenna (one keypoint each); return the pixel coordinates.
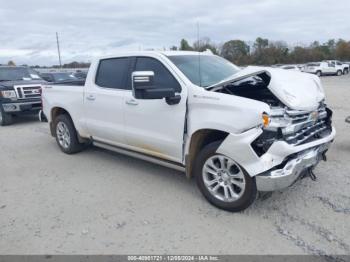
(58, 50)
(199, 56)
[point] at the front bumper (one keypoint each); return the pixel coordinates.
(280, 178)
(18, 107)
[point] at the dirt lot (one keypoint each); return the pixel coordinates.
(98, 202)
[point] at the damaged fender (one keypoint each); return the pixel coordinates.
(235, 147)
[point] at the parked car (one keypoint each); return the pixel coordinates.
(80, 75)
(291, 67)
(323, 68)
(236, 131)
(344, 66)
(58, 77)
(20, 89)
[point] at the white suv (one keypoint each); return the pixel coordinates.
(323, 68)
(344, 66)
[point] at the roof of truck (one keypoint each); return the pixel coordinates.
(174, 53)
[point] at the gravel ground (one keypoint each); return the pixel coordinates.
(98, 202)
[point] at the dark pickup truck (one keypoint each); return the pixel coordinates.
(20, 92)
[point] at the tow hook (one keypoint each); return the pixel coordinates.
(311, 174)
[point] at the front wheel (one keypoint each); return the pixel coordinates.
(5, 118)
(319, 73)
(66, 135)
(222, 181)
(339, 73)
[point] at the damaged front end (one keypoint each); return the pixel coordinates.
(299, 132)
(296, 128)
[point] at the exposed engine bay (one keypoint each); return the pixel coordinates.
(295, 127)
(252, 87)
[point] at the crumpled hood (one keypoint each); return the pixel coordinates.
(297, 90)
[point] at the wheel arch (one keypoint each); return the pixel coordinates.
(57, 111)
(199, 139)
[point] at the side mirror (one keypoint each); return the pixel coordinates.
(144, 88)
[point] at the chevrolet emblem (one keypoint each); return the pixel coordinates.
(314, 116)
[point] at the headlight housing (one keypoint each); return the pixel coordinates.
(8, 94)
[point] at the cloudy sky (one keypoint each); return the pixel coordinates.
(89, 28)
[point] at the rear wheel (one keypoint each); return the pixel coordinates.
(319, 73)
(5, 118)
(222, 181)
(339, 73)
(66, 135)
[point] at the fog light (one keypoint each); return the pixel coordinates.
(9, 107)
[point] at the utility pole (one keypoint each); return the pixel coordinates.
(58, 50)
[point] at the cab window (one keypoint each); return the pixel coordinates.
(162, 76)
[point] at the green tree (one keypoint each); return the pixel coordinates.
(184, 45)
(237, 51)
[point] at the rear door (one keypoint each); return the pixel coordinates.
(104, 98)
(152, 126)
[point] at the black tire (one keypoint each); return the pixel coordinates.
(250, 191)
(339, 73)
(74, 145)
(5, 118)
(319, 73)
(346, 71)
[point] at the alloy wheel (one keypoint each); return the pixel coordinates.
(223, 178)
(63, 135)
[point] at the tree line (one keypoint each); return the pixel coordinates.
(260, 52)
(266, 52)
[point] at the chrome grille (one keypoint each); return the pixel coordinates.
(28, 92)
(306, 126)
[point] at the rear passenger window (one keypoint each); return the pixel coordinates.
(162, 76)
(112, 73)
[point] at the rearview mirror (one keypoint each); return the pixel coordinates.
(144, 88)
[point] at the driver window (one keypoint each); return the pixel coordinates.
(162, 76)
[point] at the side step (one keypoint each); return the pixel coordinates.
(141, 156)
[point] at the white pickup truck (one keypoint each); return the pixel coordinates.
(236, 131)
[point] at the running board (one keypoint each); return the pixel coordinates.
(141, 156)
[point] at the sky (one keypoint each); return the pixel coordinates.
(90, 28)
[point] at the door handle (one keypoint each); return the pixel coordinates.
(131, 102)
(91, 97)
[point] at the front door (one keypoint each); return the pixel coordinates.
(152, 126)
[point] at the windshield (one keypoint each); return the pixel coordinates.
(17, 73)
(63, 76)
(204, 70)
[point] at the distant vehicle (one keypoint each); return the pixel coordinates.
(58, 77)
(236, 131)
(343, 66)
(20, 92)
(291, 67)
(323, 68)
(80, 75)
